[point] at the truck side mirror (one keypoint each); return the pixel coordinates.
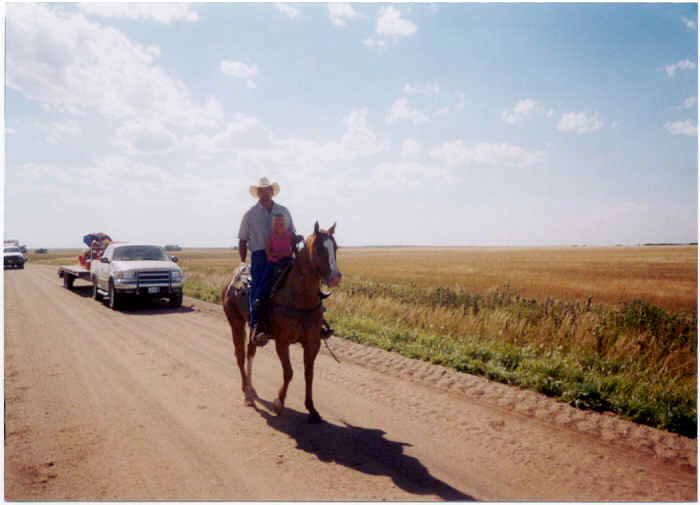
(104, 260)
(174, 259)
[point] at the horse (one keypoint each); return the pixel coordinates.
(295, 315)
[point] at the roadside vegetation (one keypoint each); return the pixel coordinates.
(638, 360)
(606, 329)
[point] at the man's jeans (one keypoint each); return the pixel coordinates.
(258, 263)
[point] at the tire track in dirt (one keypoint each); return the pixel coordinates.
(151, 408)
(669, 447)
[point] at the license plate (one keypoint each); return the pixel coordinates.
(154, 290)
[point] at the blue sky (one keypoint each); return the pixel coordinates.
(407, 124)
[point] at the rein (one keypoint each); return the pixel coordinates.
(295, 312)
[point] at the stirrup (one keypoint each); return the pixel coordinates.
(326, 330)
(260, 339)
(258, 335)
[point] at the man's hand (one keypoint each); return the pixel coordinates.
(242, 249)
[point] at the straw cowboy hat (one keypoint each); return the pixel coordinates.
(264, 183)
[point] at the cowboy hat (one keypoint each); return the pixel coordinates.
(264, 183)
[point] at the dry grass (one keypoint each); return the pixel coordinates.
(665, 276)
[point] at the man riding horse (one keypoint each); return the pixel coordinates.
(255, 229)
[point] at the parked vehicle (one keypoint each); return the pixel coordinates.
(14, 257)
(136, 270)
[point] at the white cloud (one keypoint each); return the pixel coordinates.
(59, 131)
(46, 173)
(689, 103)
(520, 110)
(159, 12)
(145, 136)
(690, 24)
(431, 89)
(287, 9)
(391, 24)
(680, 65)
(457, 153)
(579, 122)
(409, 148)
(408, 174)
(358, 137)
(682, 128)
(244, 132)
(374, 42)
(401, 109)
(341, 13)
(71, 64)
(240, 70)
(456, 107)
(256, 145)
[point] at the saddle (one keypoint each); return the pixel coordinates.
(239, 287)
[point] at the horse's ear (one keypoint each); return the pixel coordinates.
(331, 230)
(316, 227)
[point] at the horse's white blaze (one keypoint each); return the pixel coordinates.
(328, 244)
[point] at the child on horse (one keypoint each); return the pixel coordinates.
(278, 248)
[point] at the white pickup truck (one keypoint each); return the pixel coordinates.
(13, 257)
(136, 270)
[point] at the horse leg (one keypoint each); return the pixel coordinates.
(311, 348)
(238, 334)
(251, 394)
(287, 373)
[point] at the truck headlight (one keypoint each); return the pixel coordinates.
(176, 275)
(126, 275)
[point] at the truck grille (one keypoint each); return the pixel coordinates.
(153, 277)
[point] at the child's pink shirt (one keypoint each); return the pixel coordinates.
(281, 245)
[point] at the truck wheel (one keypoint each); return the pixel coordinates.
(21, 266)
(67, 280)
(176, 300)
(115, 299)
(95, 294)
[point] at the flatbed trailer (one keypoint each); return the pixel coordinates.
(71, 272)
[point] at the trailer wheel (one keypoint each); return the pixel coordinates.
(68, 280)
(115, 299)
(95, 294)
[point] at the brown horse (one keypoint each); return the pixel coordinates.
(295, 316)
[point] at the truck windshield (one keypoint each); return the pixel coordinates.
(140, 252)
(11, 250)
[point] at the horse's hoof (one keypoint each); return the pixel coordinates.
(315, 418)
(248, 402)
(277, 406)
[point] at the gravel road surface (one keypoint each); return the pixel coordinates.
(145, 404)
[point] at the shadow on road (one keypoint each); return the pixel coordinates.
(361, 449)
(137, 306)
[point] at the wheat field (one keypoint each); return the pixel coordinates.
(662, 275)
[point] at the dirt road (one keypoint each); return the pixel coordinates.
(146, 405)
